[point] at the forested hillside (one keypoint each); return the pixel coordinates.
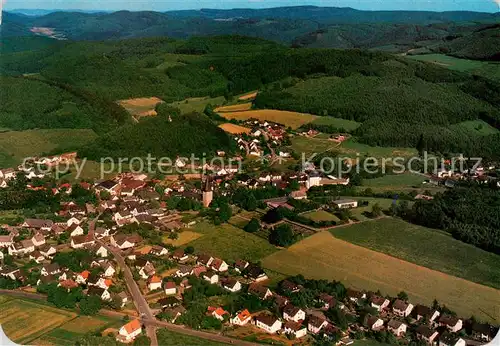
(29, 103)
(183, 136)
(469, 214)
(397, 100)
(482, 44)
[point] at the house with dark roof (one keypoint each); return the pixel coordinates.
(426, 334)
(293, 313)
(452, 323)
(267, 323)
(260, 291)
(484, 331)
(374, 323)
(401, 308)
(450, 339)
(255, 273)
(396, 327)
(295, 328)
(423, 312)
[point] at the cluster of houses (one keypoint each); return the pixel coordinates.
(450, 178)
(429, 325)
(262, 133)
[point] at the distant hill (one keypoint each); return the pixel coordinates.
(483, 44)
(338, 15)
(282, 24)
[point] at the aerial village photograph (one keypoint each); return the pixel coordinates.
(233, 172)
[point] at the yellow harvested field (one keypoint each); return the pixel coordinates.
(322, 256)
(291, 119)
(184, 238)
(234, 129)
(235, 108)
(141, 107)
(24, 321)
(249, 96)
(84, 324)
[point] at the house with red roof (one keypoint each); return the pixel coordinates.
(129, 332)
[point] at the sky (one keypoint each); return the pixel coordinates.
(165, 5)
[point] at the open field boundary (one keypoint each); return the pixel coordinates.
(322, 256)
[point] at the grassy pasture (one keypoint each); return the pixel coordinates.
(393, 181)
(24, 321)
(17, 145)
(348, 125)
(234, 129)
(240, 107)
(167, 337)
(321, 215)
(184, 238)
(230, 243)
(426, 247)
(477, 127)
(197, 104)
(291, 119)
(322, 256)
(173, 60)
(308, 145)
(483, 68)
(141, 107)
(352, 148)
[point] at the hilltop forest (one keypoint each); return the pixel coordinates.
(397, 100)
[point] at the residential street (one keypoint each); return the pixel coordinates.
(140, 302)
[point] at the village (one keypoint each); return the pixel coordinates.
(106, 241)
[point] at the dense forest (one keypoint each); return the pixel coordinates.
(160, 137)
(468, 214)
(397, 100)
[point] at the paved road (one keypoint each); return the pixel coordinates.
(140, 302)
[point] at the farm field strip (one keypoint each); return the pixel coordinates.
(291, 119)
(142, 106)
(433, 249)
(24, 321)
(234, 129)
(235, 108)
(322, 256)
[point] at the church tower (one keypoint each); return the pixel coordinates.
(207, 188)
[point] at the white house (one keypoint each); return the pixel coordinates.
(402, 308)
(170, 288)
(101, 251)
(129, 332)
(374, 323)
(124, 241)
(109, 270)
(74, 230)
(38, 239)
(447, 339)
(81, 241)
(21, 248)
(268, 323)
(219, 265)
(100, 292)
(427, 334)
(293, 313)
(345, 203)
(241, 318)
(295, 329)
(379, 303)
(154, 283)
(48, 250)
(6, 240)
(453, 323)
(398, 328)
(219, 314)
(232, 285)
(315, 324)
(72, 221)
(211, 277)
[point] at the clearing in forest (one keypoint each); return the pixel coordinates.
(234, 129)
(141, 107)
(290, 119)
